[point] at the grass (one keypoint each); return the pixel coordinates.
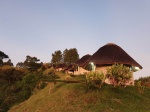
(73, 97)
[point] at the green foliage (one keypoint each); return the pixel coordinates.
(145, 81)
(95, 79)
(119, 74)
(71, 97)
(70, 56)
(16, 85)
(50, 75)
(10, 86)
(57, 57)
(2, 56)
(142, 83)
(28, 84)
(20, 65)
(30, 63)
(10, 75)
(140, 87)
(8, 63)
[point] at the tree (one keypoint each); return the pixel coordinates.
(119, 74)
(31, 59)
(2, 56)
(70, 56)
(65, 55)
(20, 65)
(57, 57)
(30, 63)
(9, 63)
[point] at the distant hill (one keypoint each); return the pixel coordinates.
(73, 97)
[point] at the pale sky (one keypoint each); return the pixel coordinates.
(40, 27)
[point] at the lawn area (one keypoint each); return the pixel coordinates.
(73, 97)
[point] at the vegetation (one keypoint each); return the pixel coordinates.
(68, 57)
(57, 57)
(30, 63)
(72, 97)
(45, 89)
(95, 79)
(144, 81)
(2, 56)
(17, 85)
(68, 94)
(119, 74)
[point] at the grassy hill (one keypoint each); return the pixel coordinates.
(74, 97)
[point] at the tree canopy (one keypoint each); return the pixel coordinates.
(30, 63)
(69, 56)
(57, 57)
(2, 56)
(9, 63)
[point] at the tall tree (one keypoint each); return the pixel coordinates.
(2, 56)
(31, 59)
(70, 56)
(31, 63)
(57, 57)
(65, 56)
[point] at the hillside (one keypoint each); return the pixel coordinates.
(73, 97)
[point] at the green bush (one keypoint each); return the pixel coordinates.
(28, 84)
(119, 74)
(95, 79)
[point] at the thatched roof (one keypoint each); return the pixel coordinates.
(70, 67)
(112, 54)
(83, 60)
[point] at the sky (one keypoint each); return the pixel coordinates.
(41, 27)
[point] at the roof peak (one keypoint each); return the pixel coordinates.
(110, 44)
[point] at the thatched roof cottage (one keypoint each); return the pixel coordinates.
(80, 65)
(110, 54)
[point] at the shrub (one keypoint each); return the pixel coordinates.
(28, 84)
(119, 74)
(95, 79)
(140, 87)
(50, 75)
(10, 74)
